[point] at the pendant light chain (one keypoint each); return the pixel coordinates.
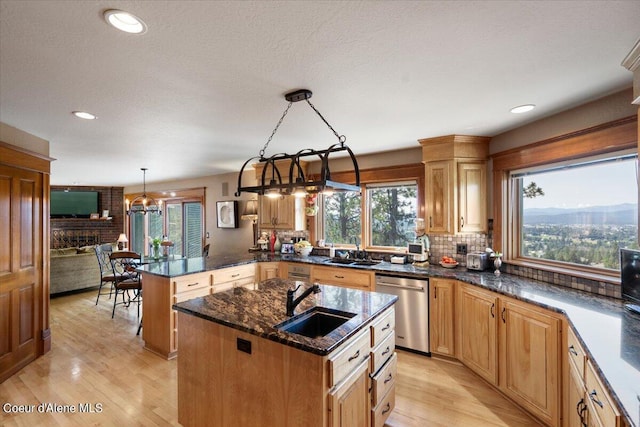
(341, 138)
(275, 130)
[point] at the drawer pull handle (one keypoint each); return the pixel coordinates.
(581, 408)
(503, 312)
(572, 350)
(355, 356)
(193, 284)
(386, 351)
(493, 305)
(389, 378)
(593, 396)
(235, 275)
(386, 408)
(387, 326)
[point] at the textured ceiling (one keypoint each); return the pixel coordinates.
(202, 89)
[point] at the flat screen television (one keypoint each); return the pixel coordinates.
(630, 278)
(73, 204)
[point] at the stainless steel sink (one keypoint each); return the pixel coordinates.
(345, 261)
(365, 262)
(350, 261)
(316, 322)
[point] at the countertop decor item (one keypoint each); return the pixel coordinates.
(272, 183)
(143, 203)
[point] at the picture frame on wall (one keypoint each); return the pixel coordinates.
(227, 214)
(105, 213)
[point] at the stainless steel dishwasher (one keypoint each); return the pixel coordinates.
(412, 310)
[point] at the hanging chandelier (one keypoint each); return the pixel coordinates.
(143, 203)
(274, 182)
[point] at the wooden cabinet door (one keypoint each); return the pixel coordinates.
(530, 359)
(350, 403)
(472, 198)
(267, 211)
(269, 270)
(23, 297)
(478, 331)
(438, 197)
(441, 316)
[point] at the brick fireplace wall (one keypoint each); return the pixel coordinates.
(72, 232)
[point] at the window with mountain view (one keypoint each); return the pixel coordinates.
(579, 213)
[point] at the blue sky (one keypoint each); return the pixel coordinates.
(596, 185)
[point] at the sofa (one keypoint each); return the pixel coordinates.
(73, 269)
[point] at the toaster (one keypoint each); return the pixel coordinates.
(477, 261)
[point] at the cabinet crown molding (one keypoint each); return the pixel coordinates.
(451, 147)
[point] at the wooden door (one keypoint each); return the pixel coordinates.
(23, 301)
(530, 359)
(577, 410)
(478, 331)
(472, 199)
(441, 315)
(438, 197)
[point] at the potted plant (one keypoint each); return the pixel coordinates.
(156, 247)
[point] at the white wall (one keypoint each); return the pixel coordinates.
(222, 240)
(22, 139)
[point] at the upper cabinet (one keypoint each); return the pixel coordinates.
(285, 212)
(456, 183)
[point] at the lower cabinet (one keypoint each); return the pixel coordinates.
(513, 345)
(350, 278)
(350, 403)
(234, 277)
(441, 316)
(269, 270)
(530, 368)
(477, 332)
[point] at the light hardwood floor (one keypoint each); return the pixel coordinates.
(99, 360)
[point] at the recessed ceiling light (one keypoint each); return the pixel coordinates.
(522, 108)
(84, 115)
(125, 21)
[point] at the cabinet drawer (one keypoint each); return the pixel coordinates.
(576, 353)
(345, 361)
(383, 327)
(382, 352)
(191, 282)
(190, 294)
(600, 405)
(343, 277)
(380, 413)
(384, 380)
(234, 273)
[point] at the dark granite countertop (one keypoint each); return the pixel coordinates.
(609, 333)
(258, 311)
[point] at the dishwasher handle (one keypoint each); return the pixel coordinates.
(408, 287)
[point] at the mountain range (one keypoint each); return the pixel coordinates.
(622, 214)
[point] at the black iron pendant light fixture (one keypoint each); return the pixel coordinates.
(143, 203)
(271, 182)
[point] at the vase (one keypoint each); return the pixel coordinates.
(156, 252)
(497, 263)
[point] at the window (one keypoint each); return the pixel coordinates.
(566, 204)
(387, 222)
(182, 221)
(343, 218)
(578, 213)
(392, 213)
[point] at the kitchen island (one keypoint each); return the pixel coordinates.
(237, 368)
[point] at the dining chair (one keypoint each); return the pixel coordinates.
(106, 271)
(128, 281)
